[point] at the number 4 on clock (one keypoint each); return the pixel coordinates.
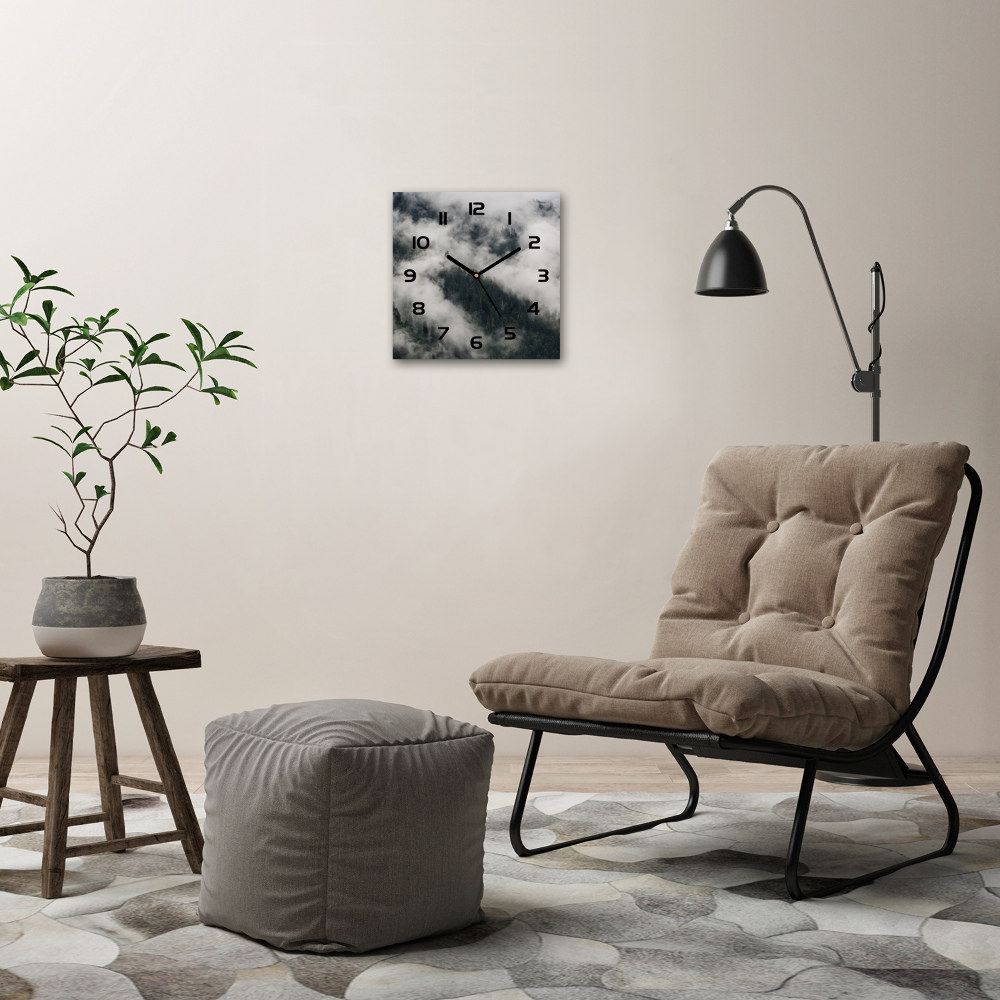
(533, 308)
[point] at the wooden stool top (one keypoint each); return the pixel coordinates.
(42, 668)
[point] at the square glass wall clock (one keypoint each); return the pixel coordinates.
(475, 275)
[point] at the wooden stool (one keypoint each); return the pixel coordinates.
(24, 672)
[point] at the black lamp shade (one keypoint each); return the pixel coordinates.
(731, 267)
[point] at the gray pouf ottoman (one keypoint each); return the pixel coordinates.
(343, 825)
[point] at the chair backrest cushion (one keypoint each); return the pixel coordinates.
(814, 557)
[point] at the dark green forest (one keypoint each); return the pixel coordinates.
(536, 336)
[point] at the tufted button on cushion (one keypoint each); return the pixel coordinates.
(828, 622)
(772, 526)
(744, 618)
(856, 528)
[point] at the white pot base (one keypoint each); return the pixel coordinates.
(88, 643)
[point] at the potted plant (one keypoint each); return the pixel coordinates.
(107, 382)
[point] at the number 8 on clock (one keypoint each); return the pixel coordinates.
(475, 275)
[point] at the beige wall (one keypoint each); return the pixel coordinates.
(358, 527)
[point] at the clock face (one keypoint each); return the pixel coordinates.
(475, 275)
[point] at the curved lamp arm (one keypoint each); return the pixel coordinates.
(737, 205)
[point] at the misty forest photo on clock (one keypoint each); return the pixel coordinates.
(476, 275)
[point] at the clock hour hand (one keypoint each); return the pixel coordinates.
(500, 261)
(461, 265)
(490, 297)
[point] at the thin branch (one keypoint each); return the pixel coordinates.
(63, 530)
(153, 406)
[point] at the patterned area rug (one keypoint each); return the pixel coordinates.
(693, 913)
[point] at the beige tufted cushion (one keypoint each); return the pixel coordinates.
(795, 602)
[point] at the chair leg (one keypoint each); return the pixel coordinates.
(792, 883)
(162, 749)
(13, 725)
(106, 751)
(521, 800)
(60, 765)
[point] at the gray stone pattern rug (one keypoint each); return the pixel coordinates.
(692, 912)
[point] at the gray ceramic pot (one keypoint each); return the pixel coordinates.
(95, 617)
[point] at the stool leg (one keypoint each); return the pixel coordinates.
(106, 751)
(57, 811)
(12, 726)
(166, 763)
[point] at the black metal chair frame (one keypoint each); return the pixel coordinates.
(877, 764)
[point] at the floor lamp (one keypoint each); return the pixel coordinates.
(732, 267)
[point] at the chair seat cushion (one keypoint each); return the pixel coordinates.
(729, 697)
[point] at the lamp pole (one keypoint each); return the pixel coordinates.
(876, 366)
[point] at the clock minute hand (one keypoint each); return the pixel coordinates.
(461, 265)
(490, 297)
(500, 261)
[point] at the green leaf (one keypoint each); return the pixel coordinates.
(56, 443)
(30, 356)
(82, 430)
(48, 308)
(195, 332)
(171, 436)
(19, 318)
(196, 354)
(110, 378)
(156, 337)
(231, 357)
(75, 481)
(22, 290)
(87, 363)
(100, 491)
(82, 447)
(41, 321)
(32, 372)
(152, 433)
(132, 341)
(221, 390)
(155, 359)
(125, 377)
(24, 268)
(4, 364)
(229, 337)
(106, 318)
(45, 274)
(155, 461)
(54, 288)
(5, 383)
(155, 388)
